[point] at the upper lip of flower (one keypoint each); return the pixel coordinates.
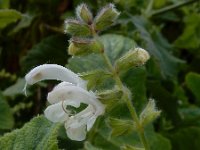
(70, 92)
(53, 72)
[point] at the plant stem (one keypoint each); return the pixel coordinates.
(149, 7)
(125, 92)
(172, 7)
(128, 101)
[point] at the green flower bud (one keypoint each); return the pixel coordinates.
(132, 58)
(113, 94)
(121, 126)
(150, 113)
(84, 14)
(84, 46)
(106, 17)
(77, 28)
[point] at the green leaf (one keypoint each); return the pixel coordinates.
(8, 16)
(25, 22)
(190, 115)
(183, 139)
(89, 146)
(159, 142)
(165, 99)
(157, 45)
(6, 117)
(50, 50)
(95, 78)
(38, 134)
(114, 45)
(135, 79)
(104, 141)
(15, 89)
(129, 147)
(159, 3)
(4, 4)
(191, 34)
(193, 83)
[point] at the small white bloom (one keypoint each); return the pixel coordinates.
(53, 72)
(71, 92)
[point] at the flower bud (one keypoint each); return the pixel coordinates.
(84, 14)
(108, 95)
(132, 58)
(120, 126)
(149, 114)
(106, 17)
(77, 28)
(84, 46)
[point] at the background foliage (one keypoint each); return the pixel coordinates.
(31, 33)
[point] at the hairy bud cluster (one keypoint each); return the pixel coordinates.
(85, 26)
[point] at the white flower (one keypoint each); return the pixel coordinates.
(71, 92)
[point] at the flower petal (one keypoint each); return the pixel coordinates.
(53, 72)
(76, 93)
(55, 113)
(91, 122)
(77, 134)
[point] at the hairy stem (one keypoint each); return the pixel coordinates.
(125, 92)
(128, 102)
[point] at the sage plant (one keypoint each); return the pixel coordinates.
(73, 90)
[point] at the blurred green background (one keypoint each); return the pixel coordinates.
(31, 33)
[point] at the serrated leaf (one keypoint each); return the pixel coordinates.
(6, 117)
(121, 126)
(50, 50)
(38, 134)
(8, 16)
(193, 83)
